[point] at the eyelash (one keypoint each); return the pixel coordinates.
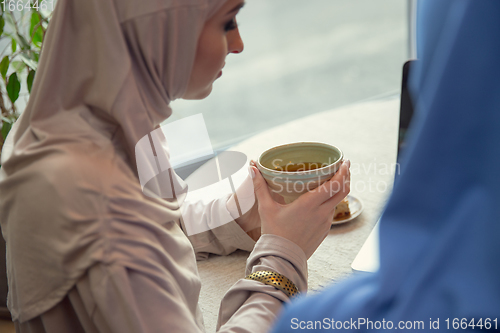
(231, 25)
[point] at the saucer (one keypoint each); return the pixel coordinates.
(355, 206)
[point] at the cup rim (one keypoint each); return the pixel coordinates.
(308, 172)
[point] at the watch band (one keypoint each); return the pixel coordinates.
(276, 280)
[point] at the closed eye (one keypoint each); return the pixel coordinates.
(231, 25)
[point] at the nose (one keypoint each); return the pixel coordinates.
(235, 43)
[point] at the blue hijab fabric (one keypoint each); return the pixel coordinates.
(440, 232)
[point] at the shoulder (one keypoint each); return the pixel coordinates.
(59, 179)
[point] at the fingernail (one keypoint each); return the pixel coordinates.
(348, 162)
(252, 172)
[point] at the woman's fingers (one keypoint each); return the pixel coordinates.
(339, 184)
(341, 194)
(261, 189)
(307, 220)
(337, 198)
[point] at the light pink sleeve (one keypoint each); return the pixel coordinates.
(120, 299)
(220, 238)
(251, 306)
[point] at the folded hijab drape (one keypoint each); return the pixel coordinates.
(121, 61)
(439, 234)
(107, 73)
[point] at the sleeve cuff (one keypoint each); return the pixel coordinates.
(282, 256)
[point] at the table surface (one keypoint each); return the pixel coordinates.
(367, 134)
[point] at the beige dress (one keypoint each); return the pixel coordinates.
(118, 264)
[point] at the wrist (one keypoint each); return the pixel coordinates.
(276, 280)
(254, 234)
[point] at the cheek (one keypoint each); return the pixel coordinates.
(210, 56)
(212, 53)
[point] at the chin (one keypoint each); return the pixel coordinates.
(202, 94)
(206, 93)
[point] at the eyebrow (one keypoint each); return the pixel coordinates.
(238, 7)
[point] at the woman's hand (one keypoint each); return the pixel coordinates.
(250, 220)
(307, 220)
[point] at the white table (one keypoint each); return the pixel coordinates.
(367, 134)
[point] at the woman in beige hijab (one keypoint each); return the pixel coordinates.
(87, 251)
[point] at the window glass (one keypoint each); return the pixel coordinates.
(303, 57)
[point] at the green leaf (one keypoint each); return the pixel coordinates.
(10, 21)
(36, 35)
(4, 66)
(18, 66)
(21, 41)
(6, 129)
(30, 79)
(13, 87)
(28, 61)
(13, 45)
(2, 24)
(35, 19)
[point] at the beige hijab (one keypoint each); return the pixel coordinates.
(107, 73)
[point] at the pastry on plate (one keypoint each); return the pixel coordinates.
(342, 209)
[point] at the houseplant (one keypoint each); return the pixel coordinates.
(23, 24)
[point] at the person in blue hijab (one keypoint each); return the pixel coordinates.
(440, 232)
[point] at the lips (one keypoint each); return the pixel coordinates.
(220, 73)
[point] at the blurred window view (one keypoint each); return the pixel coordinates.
(300, 58)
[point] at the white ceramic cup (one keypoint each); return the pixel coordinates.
(291, 184)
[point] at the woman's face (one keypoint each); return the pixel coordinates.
(220, 36)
